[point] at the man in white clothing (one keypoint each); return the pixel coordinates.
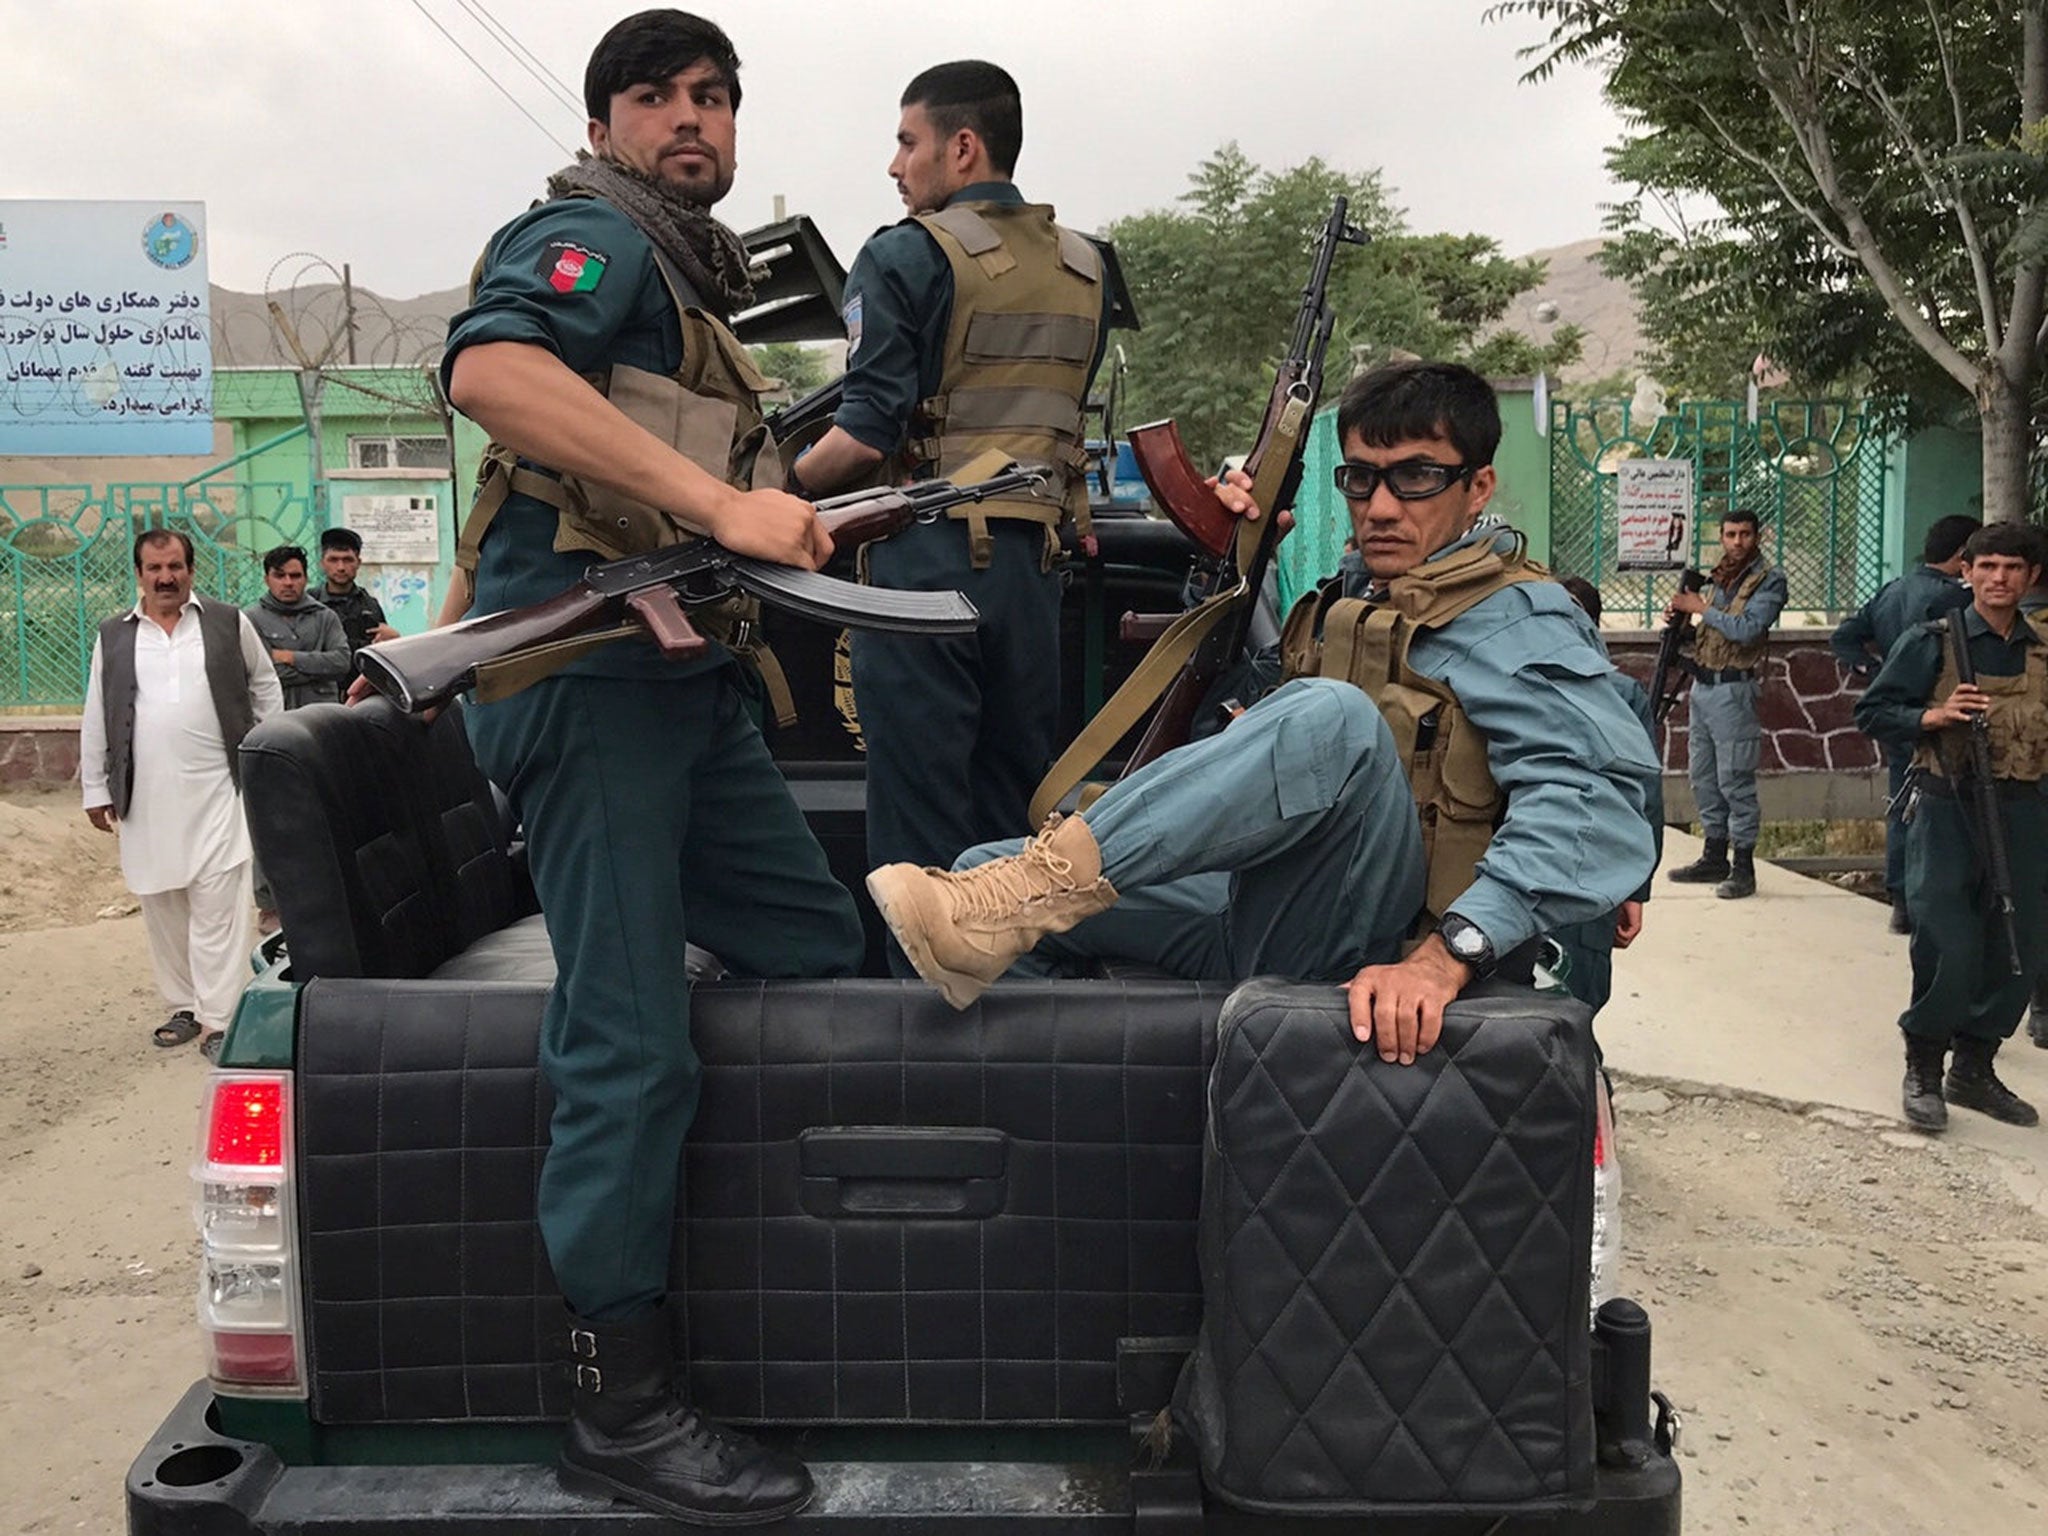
(177, 682)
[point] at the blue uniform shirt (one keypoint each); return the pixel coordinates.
(1757, 616)
(1921, 594)
(898, 308)
(577, 277)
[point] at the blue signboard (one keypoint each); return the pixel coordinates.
(105, 330)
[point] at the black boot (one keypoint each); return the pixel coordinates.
(1902, 920)
(1709, 868)
(2037, 1024)
(1741, 879)
(632, 1437)
(1925, 1108)
(1973, 1085)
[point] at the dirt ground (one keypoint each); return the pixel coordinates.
(1853, 1321)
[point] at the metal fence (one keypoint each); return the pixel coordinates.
(66, 562)
(1813, 470)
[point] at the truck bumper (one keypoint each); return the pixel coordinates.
(191, 1480)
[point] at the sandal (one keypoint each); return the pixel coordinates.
(179, 1028)
(210, 1046)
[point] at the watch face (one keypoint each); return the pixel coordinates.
(1467, 940)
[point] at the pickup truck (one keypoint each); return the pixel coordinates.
(952, 1260)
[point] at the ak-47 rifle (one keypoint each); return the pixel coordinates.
(1983, 794)
(654, 591)
(1664, 681)
(1210, 638)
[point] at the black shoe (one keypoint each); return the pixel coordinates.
(1973, 1085)
(1926, 1110)
(1741, 879)
(632, 1437)
(2037, 1025)
(1710, 868)
(1902, 920)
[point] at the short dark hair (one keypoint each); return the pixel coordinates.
(2015, 539)
(277, 559)
(1585, 594)
(1947, 537)
(165, 536)
(973, 94)
(1398, 402)
(650, 47)
(341, 538)
(1741, 515)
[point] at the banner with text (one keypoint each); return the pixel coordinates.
(1653, 502)
(105, 335)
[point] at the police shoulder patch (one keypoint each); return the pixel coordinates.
(570, 268)
(851, 315)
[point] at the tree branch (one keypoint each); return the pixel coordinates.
(2030, 282)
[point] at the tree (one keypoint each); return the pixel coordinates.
(796, 367)
(1880, 170)
(1217, 284)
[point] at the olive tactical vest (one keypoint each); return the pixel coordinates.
(1443, 754)
(2017, 721)
(1027, 312)
(1714, 650)
(709, 411)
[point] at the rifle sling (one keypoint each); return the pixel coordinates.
(505, 676)
(1140, 691)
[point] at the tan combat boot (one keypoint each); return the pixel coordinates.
(963, 929)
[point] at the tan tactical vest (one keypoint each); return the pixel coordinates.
(1714, 650)
(1442, 752)
(1027, 309)
(709, 411)
(2017, 721)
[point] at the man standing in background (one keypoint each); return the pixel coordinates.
(1863, 640)
(303, 635)
(361, 615)
(176, 683)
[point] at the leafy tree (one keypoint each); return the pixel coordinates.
(1217, 284)
(801, 369)
(1879, 174)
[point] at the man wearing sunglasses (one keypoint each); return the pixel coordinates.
(1439, 671)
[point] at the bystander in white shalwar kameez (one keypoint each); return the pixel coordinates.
(185, 848)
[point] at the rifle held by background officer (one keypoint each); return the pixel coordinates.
(1664, 681)
(1983, 797)
(653, 592)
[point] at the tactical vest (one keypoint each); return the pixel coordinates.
(1027, 311)
(2017, 721)
(1442, 752)
(1714, 650)
(709, 411)
(227, 681)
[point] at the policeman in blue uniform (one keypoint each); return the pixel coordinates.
(1863, 640)
(1965, 995)
(972, 327)
(652, 810)
(1290, 843)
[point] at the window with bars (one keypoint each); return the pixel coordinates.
(399, 453)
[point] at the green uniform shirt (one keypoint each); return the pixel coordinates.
(577, 277)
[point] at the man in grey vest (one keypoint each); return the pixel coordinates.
(177, 682)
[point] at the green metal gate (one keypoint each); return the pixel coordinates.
(1813, 471)
(66, 562)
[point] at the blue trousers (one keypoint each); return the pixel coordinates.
(1722, 755)
(1286, 845)
(1963, 982)
(653, 813)
(1896, 761)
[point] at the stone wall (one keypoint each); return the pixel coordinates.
(38, 751)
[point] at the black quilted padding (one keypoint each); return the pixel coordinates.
(421, 1123)
(1395, 1261)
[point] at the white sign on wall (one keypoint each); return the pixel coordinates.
(105, 341)
(1653, 500)
(396, 530)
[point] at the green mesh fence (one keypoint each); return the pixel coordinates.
(66, 563)
(1813, 471)
(1321, 522)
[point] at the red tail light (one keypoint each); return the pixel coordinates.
(246, 1126)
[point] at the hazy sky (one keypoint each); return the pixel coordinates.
(354, 130)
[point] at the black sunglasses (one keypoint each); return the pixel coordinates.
(1409, 480)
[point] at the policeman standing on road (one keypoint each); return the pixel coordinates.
(1863, 640)
(651, 807)
(2035, 601)
(1744, 598)
(1964, 993)
(972, 327)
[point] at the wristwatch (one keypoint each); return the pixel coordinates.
(1467, 942)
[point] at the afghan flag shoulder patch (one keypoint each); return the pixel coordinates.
(571, 268)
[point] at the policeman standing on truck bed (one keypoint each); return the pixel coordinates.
(1965, 993)
(1293, 842)
(651, 807)
(972, 327)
